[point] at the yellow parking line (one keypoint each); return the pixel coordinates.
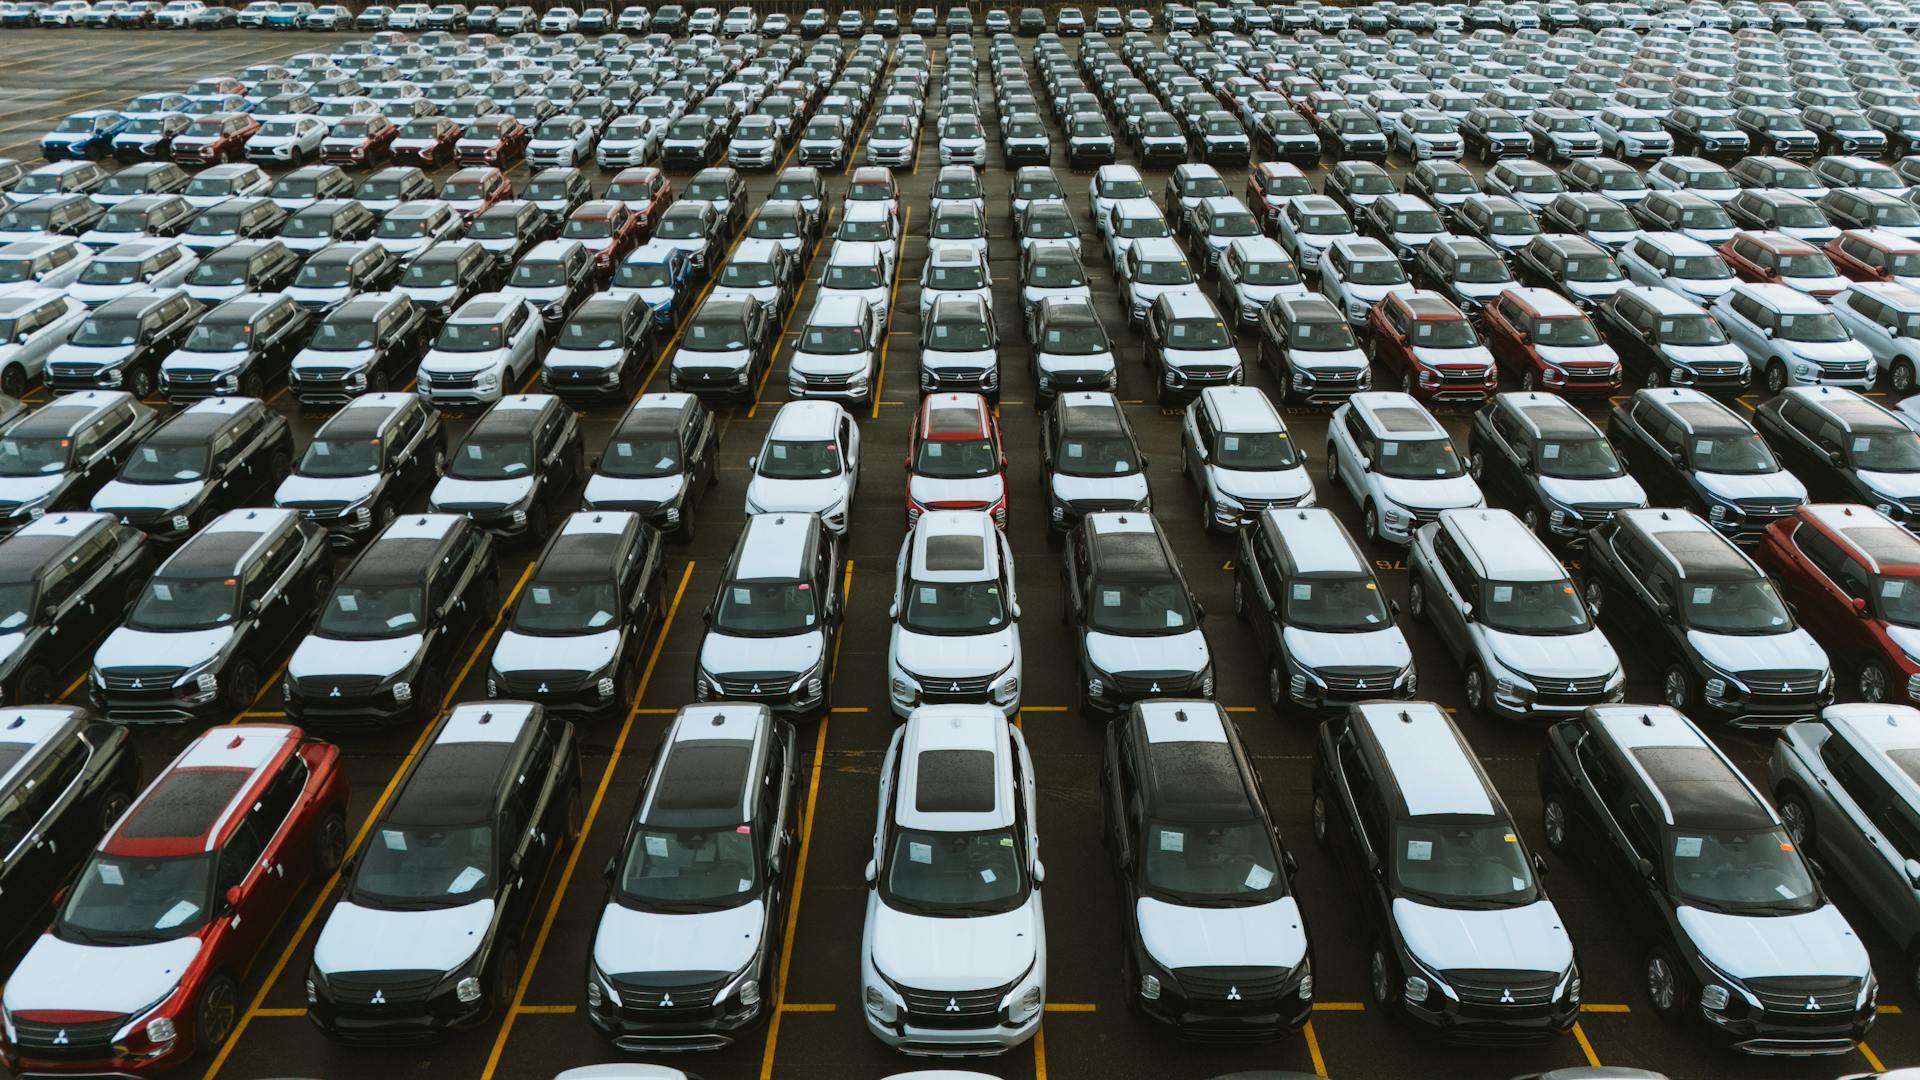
(71, 687)
(808, 1006)
(1313, 1049)
(1865, 1052)
(586, 826)
(1043, 708)
(1072, 1006)
(333, 880)
(546, 1010)
(1039, 1052)
(1612, 1008)
(849, 708)
(1339, 1006)
(893, 301)
(793, 905)
(1586, 1047)
(280, 1012)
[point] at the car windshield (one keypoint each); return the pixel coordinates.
(1417, 221)
(25, 455)
(365, 612)
(953, 607)
(716, 334)
(340, 458)
(486, 456)
(1235, 223)
(1895, 451)
(325, 275)
(1255, 451)
(1570, 332)
(1462, 862)
(1512, 223)
(1579, 459)
(125, 900)
(1611, 221)
(643, 275)
(954, 874)
(795, 189)
(1808, 265)
(1418, 459)
(1359, 125)
(949, 227)
(765, 608)
(1740, 606)
(1481, 270)
(219, 337)
(111, 272)
(381, 188)
(1139, 605)
(16, 601)
(469, 337)
(411, 867)
(107, 331)
(1701, 329)
(147, 125)
(1376, 272)
(589, 332)
(1700, 267)
(14, 271)
(544, 190)
(871, 276)
(1819, 327)
(1533, 607)
(1047, 188)
(1444, 334)
(186, 604)
(834, 340)
(1746, 871)
(539, 274)
(1205, 333)
(774, 227)
(161, 463)
(1503, 124)
(1739, 452)
(1059, 273)
(1336, 605)
(806, 459)
(1212, 863)
(559, 607)
(689, 870)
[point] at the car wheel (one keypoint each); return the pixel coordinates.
(243, 686)
(1530, 517)
(140, 383)
(1595, 594)
(1239, 597)
(1666, 990)
(1477, 688)
(13, 381)
(1380, 975)
(1371, 519)
(1900, 377)
(1276, 686)
(1527, 380)
(506, 978)
(1553, 822)
(1654, 377)
(1676, 687)
(252, 385)
(1776, 376)
(1796, 817)
(35, 687)
(1477, 466)
(215, 1012)
(1321, 833)
(330, 843)
(111, 807)
(1407, 383)
(1333, 467)
(1872, 681)
(1417, 600)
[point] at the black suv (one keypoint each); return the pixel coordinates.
(241, 347)
(659, 462)
(1540, 456)
(1135, 622)
(1494, 134)
(454, 866)
(1194, 843)
(516, 467)
(1839, 444)
(371, 343)
(1350, 179)
(366, 466)
(1663, 338)
(1353, 135)
(1706, 615)
(214, 620)
(1465, 270)
(740, 338)
(1679, 211)
(444, 277)
(69, 776)
(1757, 209)
(576, 641)
(245, 266)
(65, 580)
(214, 456)
(1690, 451)
(1708, 877)
(387, 643)
(602, 351)
(121, 343)
(1310, 595)
(57, 456)
(1502, 223)
(1571, 265)
(330, 220)
(1089, 460)
(1444, 184)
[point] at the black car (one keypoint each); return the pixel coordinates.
(1840, 444)
(1504, 224)
(214, 621)
(1679, 211)
(693, 141)
(476, 825)
(1707, 133)
(1444, 184)
(1664, 339)
(328, 220)
(1181, 797)
(511, 228)
(1349, 179)
(1757, 209)
(1494, 134)
(394, 185)
(64, 582)
(576, 639)
(209, 458)
(1773, 131)
(602, 351)
(389, 640)
(369, 463)
(1692, 452)
(1123, 580)
(441, 279)
(68, 777)
(516, 468)
(1844, 131)
(1089, 459)
(241, 347)
(1353, 135)
(1699, 865)
(1465, 270)
(57, 456)
(659, 462)
(245, 266)
(1539, 456)
(1571, 265)
(369, 344)
(725, 349)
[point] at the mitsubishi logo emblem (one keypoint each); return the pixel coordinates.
(1812, 1005)
(60, 1037)
(379, 998)
(137, 685)
(1360, 685)
(666, 1001)
(1233, 993)
(1155, 688)
(542, 689)
(1786, 688)
(953, 1004)
(124, 521)
(754, 689)
(1506, 995)
(335, 693)
(956, 688)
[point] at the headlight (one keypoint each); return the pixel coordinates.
(1149, 988)
(1026, 1007)
(876, 1002)
(467, 990)
(207, 683)
(902, 690)
(160, 1029)
(1713, 996)
(1415, 990)
(181, 523)
(402, 692)
(1007, 689)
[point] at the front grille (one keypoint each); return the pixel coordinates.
(1358, 680)
(318, 511)
(519, 684)
(938, 691)
(1766, 508)
(1848, 370)
(969, 378)
(1422, 516)
(769, 685)
(1204, 374)
(322, 688)
(1781, 684)
(1502, 989)
(190, 377)
(319, 378)
(141, 679)
(455, 380)
(1095, 506)
(375, 993)
(67, 1038)
(1558, 691)
(1155, 682)
(1806, 996)
(1251, 988)
(669, 995)
(956, 1009)
(824, 382)
(1720, 369)
(1587, 371)
(1475, 377)
(1254, 506)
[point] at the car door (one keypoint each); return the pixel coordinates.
(38, 850)
(1452, 592)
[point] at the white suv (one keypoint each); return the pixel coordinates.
(810, 463)
(1398, 463)
(482, 352)
(955, 872)
(955, 615)
(1791, 339)
(1357, 273)
(837, 351)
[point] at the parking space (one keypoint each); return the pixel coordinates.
(815, 1030)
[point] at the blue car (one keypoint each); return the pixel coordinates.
(662, 276)
(83, 136)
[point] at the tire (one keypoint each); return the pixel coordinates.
(1477, 466)
(243, 686)
(1321, 828)
(1872, 681)
(1477, 695)
(1380, 978)
(1530, 517)
(1655, 378)
(1899, 377)
(1527, 381)
(1276, 686)
(330, 843)
(111, 807)
(1776, 376)
(140, 383)
(1796, 817)
(1676, 687)
(1333, 467)
(506, 978)
(35, 686)
(1595, 595)
(13, 381)
(1665, 986)
(1553, 822)
(1417, 600)
(1407, 383)
(1370, 518)
(1239, 598)
(253, 385)
(215, 1011)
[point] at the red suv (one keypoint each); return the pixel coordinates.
(1546, 340)
(609, 230)
(646, 191)
(472, 191)
(140, 969)
(1774, 258)
(1875, 255)
(1426, 340)
(954, 458)
(1271, 186)
(493, 140)
(214, 138)
(1853, 577)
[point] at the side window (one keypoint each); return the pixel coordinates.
(39, 792)
(1854, 775)
(276, 802)
(237, 856)
(1853, 579)
(1268, 564)
(1820, 551)
(1360, 783)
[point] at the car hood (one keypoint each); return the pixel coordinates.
(1328, 359)
(1115, 653)
(772, 496)
(942, 657)
(1695, 354)
(1261, 935)
(1833, 351)
(723, 654)
(1074, 488)
(1577, 354)
(1528, 938)
(973, 493)
(1556, 656)
(451, 491)
(597, 359)
(1385, 647)
(1817, 942)
(119, 495)
(326, 490)
(1768, 485)
(1431, 494)
(1291, 483)
(632, 942)
(609, 490)
(68, 976)
(347, 359)
(128, 647)
(1180, 359)
(319, 657)
(953, 954)
(1734, 653)
(1475, 357)
(573, 652)
(366, 939)
(1578, 493)
(830, 364)
(941, 359)
(1892, 485)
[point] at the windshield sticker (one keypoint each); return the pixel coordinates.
(1420, 850)
(919, 852)
(467, 880)
(1702, 594)
(657, 846)
(987, 875)
(394, 839)
(1171, 840)
(1259, 877)
(110, 875)
(176, 915)
(1686, 847)
(405, 618)
(1503, 594)
(1302, 590)
(348, 604)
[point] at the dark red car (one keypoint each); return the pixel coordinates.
(1774, 258)
(1875, 255)
(1549, 343)
(607, 228)
(427, 141)
(955, 460)
(214, 138)
(471, 191)
(1429, 344)
(1853, 577)
(492, 140)
(646, 191)
(175, 905)
(361, 139)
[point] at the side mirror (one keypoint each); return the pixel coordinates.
(893, 611)
(1144, 462)
(1039, 872)
(1860, 606)
(1016, 612)
(1393, 608)
(233, 898)
(1539, 865)
(872, 872)
(22, 338)
(1466, 610)
(753, 463)
(1913, 872)
(1288, 864)
(1199, 609)
(607, 871)
(1645, 866)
